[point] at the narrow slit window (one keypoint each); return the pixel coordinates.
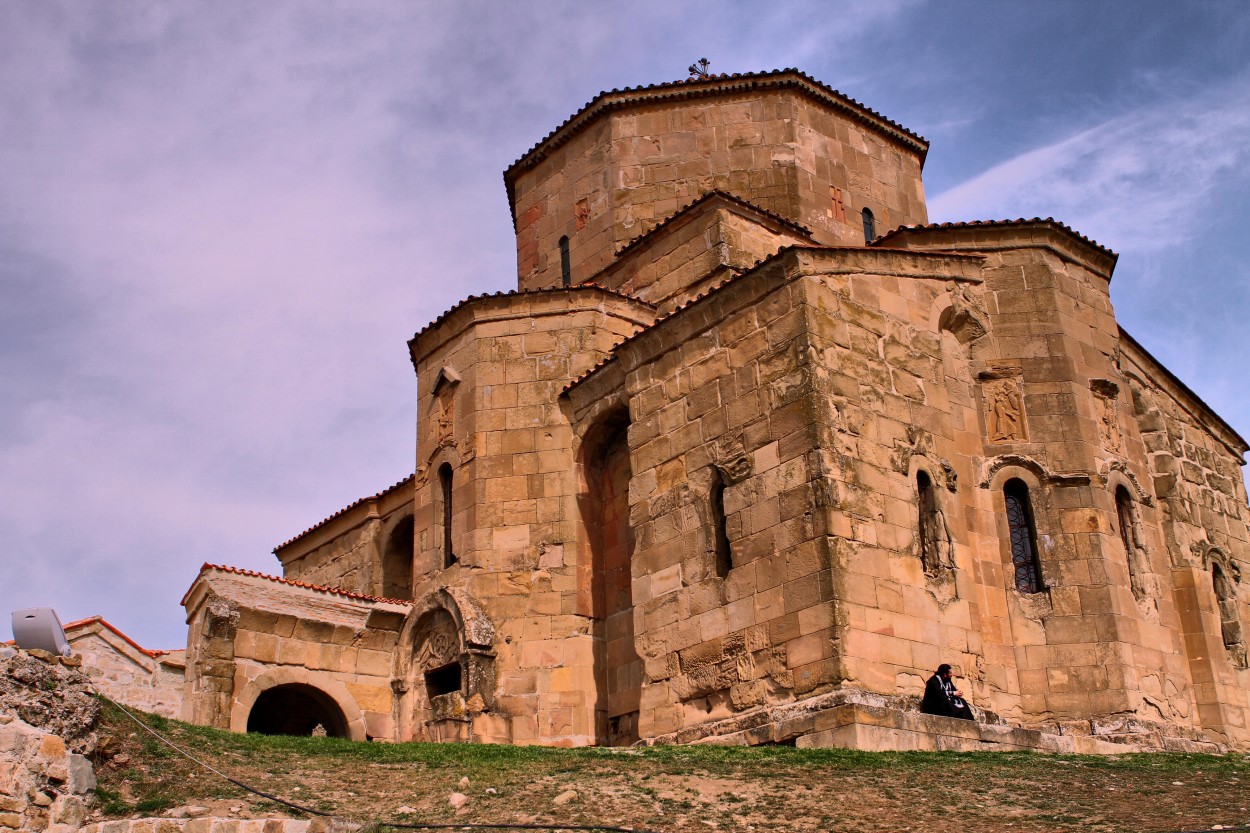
(566, 265)
(1226, 600)
(1028, 574)
(720, 534)
(445, 487)
(927, 525)
(870, 225)
(1124, 515)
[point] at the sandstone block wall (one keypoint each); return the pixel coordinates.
(253, 634)
(147, 680)
(516, 521)
(366, 548)
(783, 144)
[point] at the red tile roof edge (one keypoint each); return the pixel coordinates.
(580, 287)
(709, 84)
(738, 275)
(689, 87)
(345, 509)
(82, 623)
(706, 197)
(320, 588)
(1020, 221)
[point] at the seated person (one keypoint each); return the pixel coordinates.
(941, 697)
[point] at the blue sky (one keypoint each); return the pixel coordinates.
(220, 223)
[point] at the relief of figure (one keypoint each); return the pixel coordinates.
(1004, 411)
(1108, 423)
(445, 417)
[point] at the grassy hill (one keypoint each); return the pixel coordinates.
(671, 789)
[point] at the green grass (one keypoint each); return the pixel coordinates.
(678, 788)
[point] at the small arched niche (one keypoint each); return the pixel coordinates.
(397, 561)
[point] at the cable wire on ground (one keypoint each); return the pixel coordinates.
(601, 828)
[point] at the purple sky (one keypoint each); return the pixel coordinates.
(220, 222)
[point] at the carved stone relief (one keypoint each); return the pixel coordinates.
(733, 461)
(1107, 413)
(438, 643)
(1004, 410)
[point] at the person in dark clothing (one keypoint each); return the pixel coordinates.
(941, 696)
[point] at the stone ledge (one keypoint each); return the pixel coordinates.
(852, 719)
(211, 824)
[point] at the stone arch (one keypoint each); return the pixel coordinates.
(1117, 473)
(999, 472)
(321, 681)
(397, 559)
(444, 668)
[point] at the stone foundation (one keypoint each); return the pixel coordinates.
(854, 719)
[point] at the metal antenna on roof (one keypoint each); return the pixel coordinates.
(698, 70)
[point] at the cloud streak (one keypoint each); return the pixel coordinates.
(1138, 181)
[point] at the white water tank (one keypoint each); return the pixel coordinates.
(38, 627)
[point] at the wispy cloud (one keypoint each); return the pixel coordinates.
(220, 223)
(1136, 181)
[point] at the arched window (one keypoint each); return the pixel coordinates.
(720, 535)
(1028, 573)
(870, 225)
(927, 525)
(444, 484)
(1226, 598)
(566, 267)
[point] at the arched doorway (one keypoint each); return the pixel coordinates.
(612, 545)
(296, 709)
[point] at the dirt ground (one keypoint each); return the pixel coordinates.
(671, 789)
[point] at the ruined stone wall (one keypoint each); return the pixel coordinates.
(130, 677)
(47, 725)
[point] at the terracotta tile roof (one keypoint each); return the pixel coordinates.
(1021, 221)
(715, 193)
(518, 292)
(349, 507)
(91, 620)
(320, 588)
(615, 99)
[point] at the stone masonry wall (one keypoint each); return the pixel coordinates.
(516, 521)
(1196, 477)
(44, 776)
(131, 678)
(776, 148)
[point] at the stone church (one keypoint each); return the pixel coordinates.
(750, 450)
